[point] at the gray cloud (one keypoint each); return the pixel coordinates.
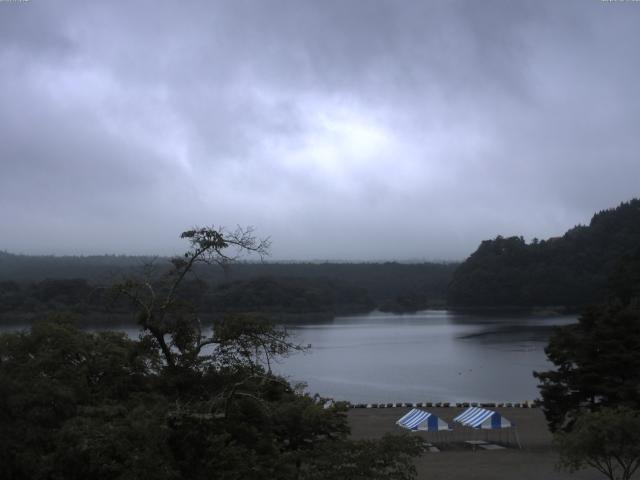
(344, 130)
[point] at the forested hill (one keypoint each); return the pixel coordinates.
(95, 268)
(41, 283)
(571, 270)
(382, 279)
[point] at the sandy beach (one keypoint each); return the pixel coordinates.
(456, 460)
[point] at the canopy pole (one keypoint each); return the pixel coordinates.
(515, 431)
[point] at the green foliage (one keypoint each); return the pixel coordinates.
(388, 458)
(289, 295)
(608, 440)
(97, 405)
(571, 270)
(179, 403)
(263, 294)
(267, 287)
(114, 442)
(50, 376)
(408, 302)
(597, 363)
(242, 340)
(597, 360)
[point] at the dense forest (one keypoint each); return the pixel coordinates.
(571, 270)
(179, 402)
(597, 359)
(38, 284)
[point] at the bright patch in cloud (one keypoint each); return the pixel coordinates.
(339, 143)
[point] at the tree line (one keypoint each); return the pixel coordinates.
(264, 294)
(572, 270)
(243, 287)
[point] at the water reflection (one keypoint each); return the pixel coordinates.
(429, 356)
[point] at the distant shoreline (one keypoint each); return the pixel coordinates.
(127, 319)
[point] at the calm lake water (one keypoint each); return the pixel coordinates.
(428, 356)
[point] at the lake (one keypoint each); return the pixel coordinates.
(428, 356)
(431, 356)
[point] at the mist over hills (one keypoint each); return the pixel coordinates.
(568, 271)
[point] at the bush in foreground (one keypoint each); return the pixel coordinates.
(607, 440)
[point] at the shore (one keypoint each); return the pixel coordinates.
(535, 461)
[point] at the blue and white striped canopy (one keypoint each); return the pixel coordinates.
(418, 419)
(476, 417)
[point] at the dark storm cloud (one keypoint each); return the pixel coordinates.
(343, 129)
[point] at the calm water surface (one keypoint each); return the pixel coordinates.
(428, 356)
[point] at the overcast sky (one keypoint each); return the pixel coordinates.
(347, 130)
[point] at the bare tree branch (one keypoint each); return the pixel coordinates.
(207, 245)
